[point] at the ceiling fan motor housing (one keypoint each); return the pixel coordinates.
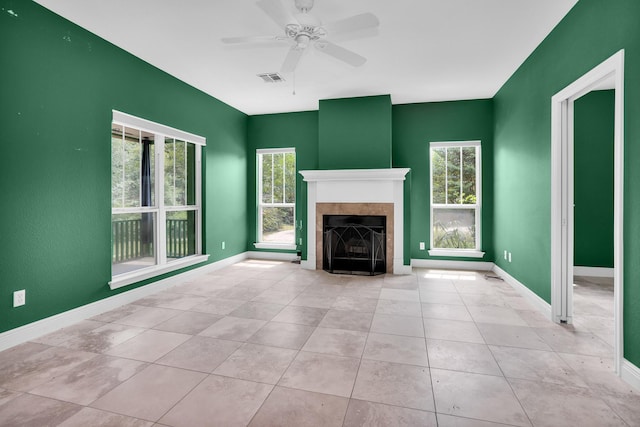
(304, 5)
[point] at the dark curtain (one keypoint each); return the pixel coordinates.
(146, 232)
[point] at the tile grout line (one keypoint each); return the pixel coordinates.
(426, 348)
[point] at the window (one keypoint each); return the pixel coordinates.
(276, 198)
(455, 198)
(155, 199)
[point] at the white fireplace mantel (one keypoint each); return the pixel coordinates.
(390, 174)
(357, 186)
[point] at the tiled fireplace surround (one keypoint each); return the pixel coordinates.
(356, 192)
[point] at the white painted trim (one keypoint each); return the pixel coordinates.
(541, 305)
(277, 256)
(147, 273)
(356, 186)
(630, 374)
(593, 271)
(50, 324)
(281, 246)
(452, 265)
(275, 150)
(446, 144)
(402, 269)
(390, 174)
(260, 205)
(161, 264)
(312, 196)
(477, 207)
(609, 71)
(462, 253)
(153, 127)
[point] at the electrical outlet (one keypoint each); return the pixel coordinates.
(223, 245)
(422, 246)
(505, 254)
(300, 241)
(19, 298)
(509, 256)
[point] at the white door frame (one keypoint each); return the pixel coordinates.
(609, 74)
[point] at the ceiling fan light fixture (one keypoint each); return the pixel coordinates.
(302, 41)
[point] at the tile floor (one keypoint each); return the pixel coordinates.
(266, 343)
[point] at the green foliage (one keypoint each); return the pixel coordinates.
(453, 236)
(126, 167)
(278, 177)
(277, 219)
(278, 182)
(126, 173)
(453, 175)
(177, 175)
(126, 155)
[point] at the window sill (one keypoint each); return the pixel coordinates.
(148, 273)
(461, 253)
(281, 246)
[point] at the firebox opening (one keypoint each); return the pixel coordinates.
(354, 244)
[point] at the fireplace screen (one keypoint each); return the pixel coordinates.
(354, 244)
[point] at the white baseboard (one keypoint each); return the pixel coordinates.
(542, 306)
(308, 264)
(630, 373)
(402, 269)
(452, 265)
(593, 271)
(50, 324)
(275, 256)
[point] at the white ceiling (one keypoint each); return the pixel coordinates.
(423, 51)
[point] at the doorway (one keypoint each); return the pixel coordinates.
(592, 309)
(607, 75)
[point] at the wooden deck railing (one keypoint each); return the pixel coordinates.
(127, 241)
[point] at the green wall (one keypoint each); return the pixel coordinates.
(355, 133)
(59, 84)
(591, 32)
(299, 130)
(414, 127)
(593, 176)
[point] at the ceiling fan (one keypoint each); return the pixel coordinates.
(302, 30)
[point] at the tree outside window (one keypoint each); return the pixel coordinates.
(276, 196)
(155, 210)
(455, 206)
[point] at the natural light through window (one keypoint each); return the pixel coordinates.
(276, 198)
(155, 199)
(455, 198)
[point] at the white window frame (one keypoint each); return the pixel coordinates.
(454, 252)
(163, 265)
(260, 205)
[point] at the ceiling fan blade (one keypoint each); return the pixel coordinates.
(277, 12)
(340, 53)
(291, 60)
(252, 39)
(353, 23)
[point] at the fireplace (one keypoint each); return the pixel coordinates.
(354, 244)
(360, 192)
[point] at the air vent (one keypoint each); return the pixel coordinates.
(271, 77)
